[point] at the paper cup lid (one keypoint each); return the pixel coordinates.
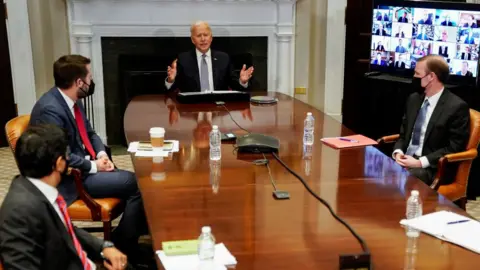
(157, 130)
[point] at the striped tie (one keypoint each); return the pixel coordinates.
(83, 256)
(417, 129)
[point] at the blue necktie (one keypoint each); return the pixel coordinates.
(204, 82)
(417, 128)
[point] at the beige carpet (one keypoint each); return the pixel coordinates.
(9, 169)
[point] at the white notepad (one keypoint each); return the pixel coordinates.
(465, 234)
(222, 258)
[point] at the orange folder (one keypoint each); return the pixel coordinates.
(348, 141)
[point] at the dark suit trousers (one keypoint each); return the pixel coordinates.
(424, 174)
(123, 185)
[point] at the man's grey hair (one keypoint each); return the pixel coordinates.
(197, 24)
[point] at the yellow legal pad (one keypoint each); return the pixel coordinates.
(183, 247)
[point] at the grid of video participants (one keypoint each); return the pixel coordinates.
(401, 35)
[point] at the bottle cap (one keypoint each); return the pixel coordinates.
(214, 127)
(309, 114)
(414, 193)
(206, 229)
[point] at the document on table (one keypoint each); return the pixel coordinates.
(144, 149)
(222, 258)
(462, 231)
(348, 141)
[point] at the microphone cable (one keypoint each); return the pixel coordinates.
(231, 117)
(325, 203)
(360, 240)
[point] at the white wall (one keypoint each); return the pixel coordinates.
(20, 55)
(50, 39)
(320, 53)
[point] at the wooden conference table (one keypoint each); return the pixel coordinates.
(364, 187)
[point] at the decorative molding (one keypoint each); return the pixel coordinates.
(81, 30)
(83, 39)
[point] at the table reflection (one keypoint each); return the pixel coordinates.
(158, 169)
(215, 174)
(411, 249)
(307, 159)
(385, 170)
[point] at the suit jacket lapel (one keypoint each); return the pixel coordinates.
(214, 69)
(436, 113)
(195, 66)
(64, 105)
(411, 122)
(62, 229)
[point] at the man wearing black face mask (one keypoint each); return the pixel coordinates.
(35, 229)
(62, 107)
(436, 122)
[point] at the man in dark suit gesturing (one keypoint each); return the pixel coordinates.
(61, 106)
(204, 69)
(35, 228)
(436, 122)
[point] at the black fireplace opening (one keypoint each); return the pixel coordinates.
(135, 66)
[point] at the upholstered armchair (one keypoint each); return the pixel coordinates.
(457, 190)
(85, 208)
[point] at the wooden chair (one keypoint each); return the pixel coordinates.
(457, 190)
(85, 208)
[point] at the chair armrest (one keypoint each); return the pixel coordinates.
(94, 207)
(461, 156)
(454, 157)
(389, 139)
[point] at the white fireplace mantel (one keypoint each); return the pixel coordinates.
(90, 20)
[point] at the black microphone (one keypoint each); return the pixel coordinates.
(277, 194)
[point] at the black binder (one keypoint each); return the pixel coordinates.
(213, 96)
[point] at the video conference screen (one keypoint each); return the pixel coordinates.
(401, 35)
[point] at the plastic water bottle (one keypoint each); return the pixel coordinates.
(206, 244)
(215, 144)
(414, 205)
(308, 128)
(414, 209)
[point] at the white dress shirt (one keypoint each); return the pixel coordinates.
(433, 100)
(51, 194)
(70, 104)
(208, 59)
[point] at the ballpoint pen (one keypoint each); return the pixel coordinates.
(348, 140)
(458, 221)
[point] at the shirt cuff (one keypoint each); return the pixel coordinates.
(101, 153)
(243, 85)
(397, 151)
(167, 84)
(93, 169)
(424, 162)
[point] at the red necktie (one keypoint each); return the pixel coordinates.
(83, 256)
(83, 131)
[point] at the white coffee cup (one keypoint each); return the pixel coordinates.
(157, 135)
